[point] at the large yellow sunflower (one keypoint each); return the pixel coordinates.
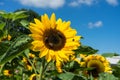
(54, 39)
(98, 63)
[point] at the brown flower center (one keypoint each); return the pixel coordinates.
(34, 78)
(97, 66)
(54, 39)
(94, 72)
(10, 72)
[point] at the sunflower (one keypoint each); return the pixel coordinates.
(5, 37)
(33, 77)
(27, 63)
(7, 73)
(54, 39)
(31, 56)
(98, 63)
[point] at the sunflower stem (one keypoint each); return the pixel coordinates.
(45, 67)
(41, 69)
(31, 64)
(12, 70)
(1, 68)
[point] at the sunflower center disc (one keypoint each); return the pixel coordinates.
(98, 67)
(54, 39)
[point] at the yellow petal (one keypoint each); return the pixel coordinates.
(71, 44)
(58, 66)
(59, 21)
(73, 39)
(52, 53)
(57, 57)
(46, 21)
(65, 26)
(39, 24)
(37, 45)
(69, 34)
(77, 60)
(82, 64)
(63, 56)
(77, 38)
(36, 37)
(48, 57)
(83, 55)
(102, 59)
(68, 52)
(35, 30)
(43, 53)
(53, 21)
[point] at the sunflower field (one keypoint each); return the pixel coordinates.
(41, 47)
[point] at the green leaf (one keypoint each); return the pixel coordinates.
(13, 15)
(66, 76)
(17, 47)
(7, 15)
(79, 78)
(19, 12)
(116, 70)
(107, 76)
(1, 34)
(25, 23)
(85, 50)
(2, 12)
(2, 25)
(109, 54)
(19, 16)
(3, 47)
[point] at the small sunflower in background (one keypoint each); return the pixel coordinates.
(31, 56)
(7, 73)
(33, 77)
(55, 39)
(98, 63)
(27, 63)
(5, 37)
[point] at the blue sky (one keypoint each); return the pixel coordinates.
(98, 21)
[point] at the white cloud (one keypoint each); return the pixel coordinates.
(43, 3)
(112, 2)
(74, 3)
(95, 24)
(83, 2)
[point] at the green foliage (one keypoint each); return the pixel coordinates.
(107, 76)
(13, 16)
(3, 47)
(2, 25)
(18, 46)
(25, 23)
(116, 70)
(66, 76)
(109, 54)
(86, 50)
(32, 14)
(71, 76)
(1, 34)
